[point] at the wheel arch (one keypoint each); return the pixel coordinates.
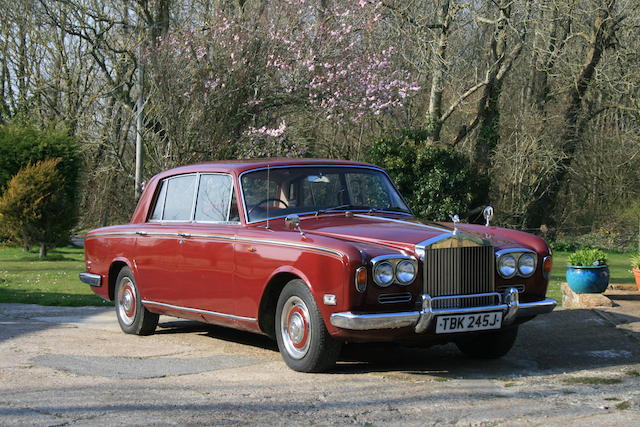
(114, 269)
(269, 300)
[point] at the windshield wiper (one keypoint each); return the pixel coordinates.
(335, 208)
(396, 209)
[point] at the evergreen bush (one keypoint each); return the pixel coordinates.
(436, 181)
(35, 209)
(24, 145)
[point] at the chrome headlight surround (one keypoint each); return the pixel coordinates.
(383, 274)
(402, 269)
(516, 262)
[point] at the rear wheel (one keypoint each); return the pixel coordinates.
(302, 337)
(133, 317)
(489, 345)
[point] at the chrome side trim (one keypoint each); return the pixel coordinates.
(422, 320)
(292, 244)
(401, 221)
(91, 279)
(196, 310)
(111, 233)
(234, 238)
(213, 236)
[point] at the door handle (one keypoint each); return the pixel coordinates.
(184, 235)
(142, 233)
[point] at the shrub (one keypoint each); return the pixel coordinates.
(587, 258)
(563, 246)
(635, 262)
(605, 239)
(436, 181)
(35, 209)
(21, 146)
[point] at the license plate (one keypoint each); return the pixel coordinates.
(468, 322)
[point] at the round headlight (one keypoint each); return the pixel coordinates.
(507, 266)
(526, 265)
(383, 274)
(405, 272)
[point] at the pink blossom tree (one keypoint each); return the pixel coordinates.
(239, 79)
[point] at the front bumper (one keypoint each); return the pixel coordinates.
(423, 319)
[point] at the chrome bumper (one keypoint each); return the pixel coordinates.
(423, 319)
(91, 279)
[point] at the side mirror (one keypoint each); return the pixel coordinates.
(292, 222)
(487, 213)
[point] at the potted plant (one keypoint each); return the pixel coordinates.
(587, 272)
(635, 266)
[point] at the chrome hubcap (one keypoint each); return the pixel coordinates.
(126, 301)
(295, 327)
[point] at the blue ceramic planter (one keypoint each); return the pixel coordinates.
(588, 280)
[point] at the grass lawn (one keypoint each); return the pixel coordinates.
(619, 271)
(53, 281)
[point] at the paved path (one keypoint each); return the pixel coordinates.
(73, 366)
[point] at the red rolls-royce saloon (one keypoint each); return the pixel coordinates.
(314, 253)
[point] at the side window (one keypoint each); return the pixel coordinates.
(159, 207)
(179, 199)
(214, 198)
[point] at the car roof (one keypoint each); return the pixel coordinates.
(239, 166)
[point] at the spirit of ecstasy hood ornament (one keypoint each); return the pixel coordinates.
(488, 215)
(456, 221)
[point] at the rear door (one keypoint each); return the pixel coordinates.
(158, 246)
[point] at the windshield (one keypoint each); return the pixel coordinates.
(279, 192)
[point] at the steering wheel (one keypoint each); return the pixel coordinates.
(270, 199)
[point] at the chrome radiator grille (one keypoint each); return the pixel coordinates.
(460, 271)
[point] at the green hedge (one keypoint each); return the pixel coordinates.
(436, 181)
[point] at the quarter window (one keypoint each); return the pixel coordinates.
(179, 200)
(157, 210)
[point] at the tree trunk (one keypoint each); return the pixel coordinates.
(433, 119)
(542, 211)
(43, 250)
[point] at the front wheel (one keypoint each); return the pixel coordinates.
(302, 337)
(133, 317)
(489, 345)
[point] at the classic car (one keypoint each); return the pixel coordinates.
(314, 253)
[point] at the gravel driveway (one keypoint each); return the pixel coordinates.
(73, 366)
